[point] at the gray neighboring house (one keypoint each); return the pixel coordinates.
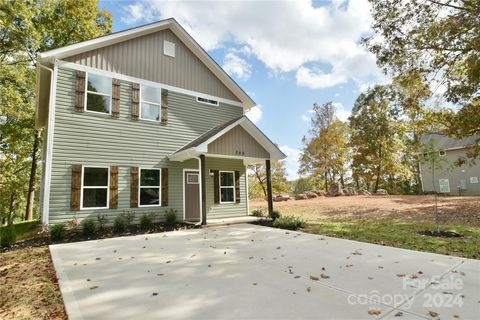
(450, 179)
(144, 120)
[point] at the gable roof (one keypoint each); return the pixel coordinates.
(442, 141)
(200, 144)
(49, 57)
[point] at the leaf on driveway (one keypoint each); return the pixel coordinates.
(193, 255)
(155, 294)
(414, 276)
(401, 275)
(254, 283)
(88, 279)
(309, 289)
(349, 265)
(98, 258)
(168, 261)
(314, 278)
(399, 314)
(278, 248)
(374, 311)
(324, 276)
(250, 258)
(370, 278)
(160, 274)
(433, 314)
(93, 288)
(296, 277)
(356, 253)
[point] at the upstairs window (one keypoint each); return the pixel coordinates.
(95, 188)
(149, 187)
(150, 105)
(99, 93)
(227, 187)
(207, 101)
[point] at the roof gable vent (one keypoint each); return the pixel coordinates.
(169, 48)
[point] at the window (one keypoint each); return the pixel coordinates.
(442, 153)
(227, 187)
(149, 187)
(192, 178)
(150, 103)
(207, 101)
(95, 182)
(99, 92)
(169, 48)
(444, 185)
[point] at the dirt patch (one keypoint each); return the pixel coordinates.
(28, 285)
(452, 210)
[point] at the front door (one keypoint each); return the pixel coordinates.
(192, 195)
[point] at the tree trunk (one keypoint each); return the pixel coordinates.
(377, 180)
(33, 176)
(342, 182)
(326, 182)
(259, 179)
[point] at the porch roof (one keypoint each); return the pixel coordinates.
(200, 144)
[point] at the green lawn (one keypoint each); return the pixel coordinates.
(403, 235)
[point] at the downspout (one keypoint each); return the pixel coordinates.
(45, 191)
(200, 190)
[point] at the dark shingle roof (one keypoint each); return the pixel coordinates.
(444, 142)
(207, 135)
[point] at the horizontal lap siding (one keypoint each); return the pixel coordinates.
(227, 209)
(94, 139)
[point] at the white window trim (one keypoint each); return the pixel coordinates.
(95, 187)
(226, 187)
(208, 103)
(150, 187)
(97, 93)
(442, 155)
(152, 103)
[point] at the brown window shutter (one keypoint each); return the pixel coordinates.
(237, 186)
(135, 100)
(134, 188)
(216, 187)
(76, 187)
(164, 187)
(113, 187)
(164, 113)
(80, 92)
(115, 98)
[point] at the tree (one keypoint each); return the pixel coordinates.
(325, 153)
(438, 39)
(280, 183)
(376, 138)
(27, 28)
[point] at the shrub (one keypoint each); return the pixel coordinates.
(57, 232)
(74, 223)
(129, 217)
(258, 212)
(88, 227)
(119, 224)
(8, 236)
(289, 222)
(146, 221)
(275, 214)
(102, 221)
(171, 217)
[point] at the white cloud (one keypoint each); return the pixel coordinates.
(236, 66)
(305, 118)
(286, 36)
(292, 161)
(255, 114)
(341, 112)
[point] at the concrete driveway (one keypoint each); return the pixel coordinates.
(253, 272)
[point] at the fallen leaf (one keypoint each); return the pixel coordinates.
(160, 274)
(88, 279)
(374, 311)
(323, 268)
(314, 278)
(296, 277)
(414, 276)
(309, 289)
(193, 255)
(370, 278)
(456, 316)
(433, 314)
(155, 294)
(250, 258)
(98, 258)
(399, 314)
(463, 273)
(94, 287)
(401, 275)
(254, 283)
(324, 276)
(420, 272)
(168, 261)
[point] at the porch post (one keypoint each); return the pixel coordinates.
(269, 187)
(202, 191)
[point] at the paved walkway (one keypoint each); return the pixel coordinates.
(252, 272)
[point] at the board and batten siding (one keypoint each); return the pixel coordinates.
(102, 140)
(143, 58)
(238, 142)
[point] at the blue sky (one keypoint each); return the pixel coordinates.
(285, 55)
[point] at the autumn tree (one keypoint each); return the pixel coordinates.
(27, 28)
(258, 179)
(325, 153)
(440, 40)
(376, 138)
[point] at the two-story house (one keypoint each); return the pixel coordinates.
(144, 120)
(440, 169)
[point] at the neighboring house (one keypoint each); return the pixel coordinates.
(144, 120)
(449, 178)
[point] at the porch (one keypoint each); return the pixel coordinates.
(236, 140)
